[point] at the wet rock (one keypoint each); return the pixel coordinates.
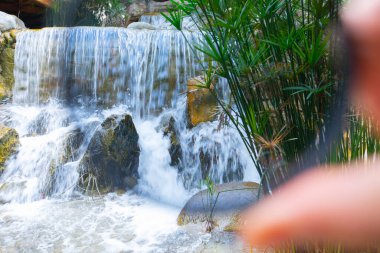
(231, 199)
(141, 25)
(6, 72)
(9, 141)
(112, 157)
(40, 125)
(201, 104)
(8, 22)
(175, 149)
(7, 52)
(72, 146)
(210, 160)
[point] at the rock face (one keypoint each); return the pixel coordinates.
(9, 140)
(7, 52)
(232, 200)
(137, 8)
(9, 22)
(175, 149)
(112, 158)
(201, 104)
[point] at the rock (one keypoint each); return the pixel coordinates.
(72, 146)
(9, 141)
(6, 72)
(233, 199)
(136, 9)
(9, 22)
(175, 149)
(141, 25)
(159, 6)
(112, 157)
(201, 104)
(40, 125)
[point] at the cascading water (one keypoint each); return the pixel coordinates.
(68, 81)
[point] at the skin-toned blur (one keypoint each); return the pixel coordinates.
(325, 204)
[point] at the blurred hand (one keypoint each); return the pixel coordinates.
(321, 205)
(324, 205)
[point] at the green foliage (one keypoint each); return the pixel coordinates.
(277, 58)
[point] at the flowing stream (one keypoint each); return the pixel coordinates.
(72, 79)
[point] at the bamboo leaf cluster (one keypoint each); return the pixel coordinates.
(278, 57)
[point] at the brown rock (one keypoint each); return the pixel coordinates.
(201, 103)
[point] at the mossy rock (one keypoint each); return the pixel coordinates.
(112, 157)
(9, 141)
(202, 106)
(231, 200)
(6, 72)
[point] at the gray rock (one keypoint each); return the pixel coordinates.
(231, 199)
(137, 9)
(8, 22)
(159, 6)
(141, 25)
(112, 157)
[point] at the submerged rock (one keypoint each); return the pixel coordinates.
(175, 148)
(112, 157)
(9, 141)
(230, 200)
(201, 104)
(8, 22)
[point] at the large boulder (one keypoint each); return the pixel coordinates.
(230, 200)
(112, 157)
(9, 22)
(9, 141)
(201, 103)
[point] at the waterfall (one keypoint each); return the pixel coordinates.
(146, 70)
(69, 80)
